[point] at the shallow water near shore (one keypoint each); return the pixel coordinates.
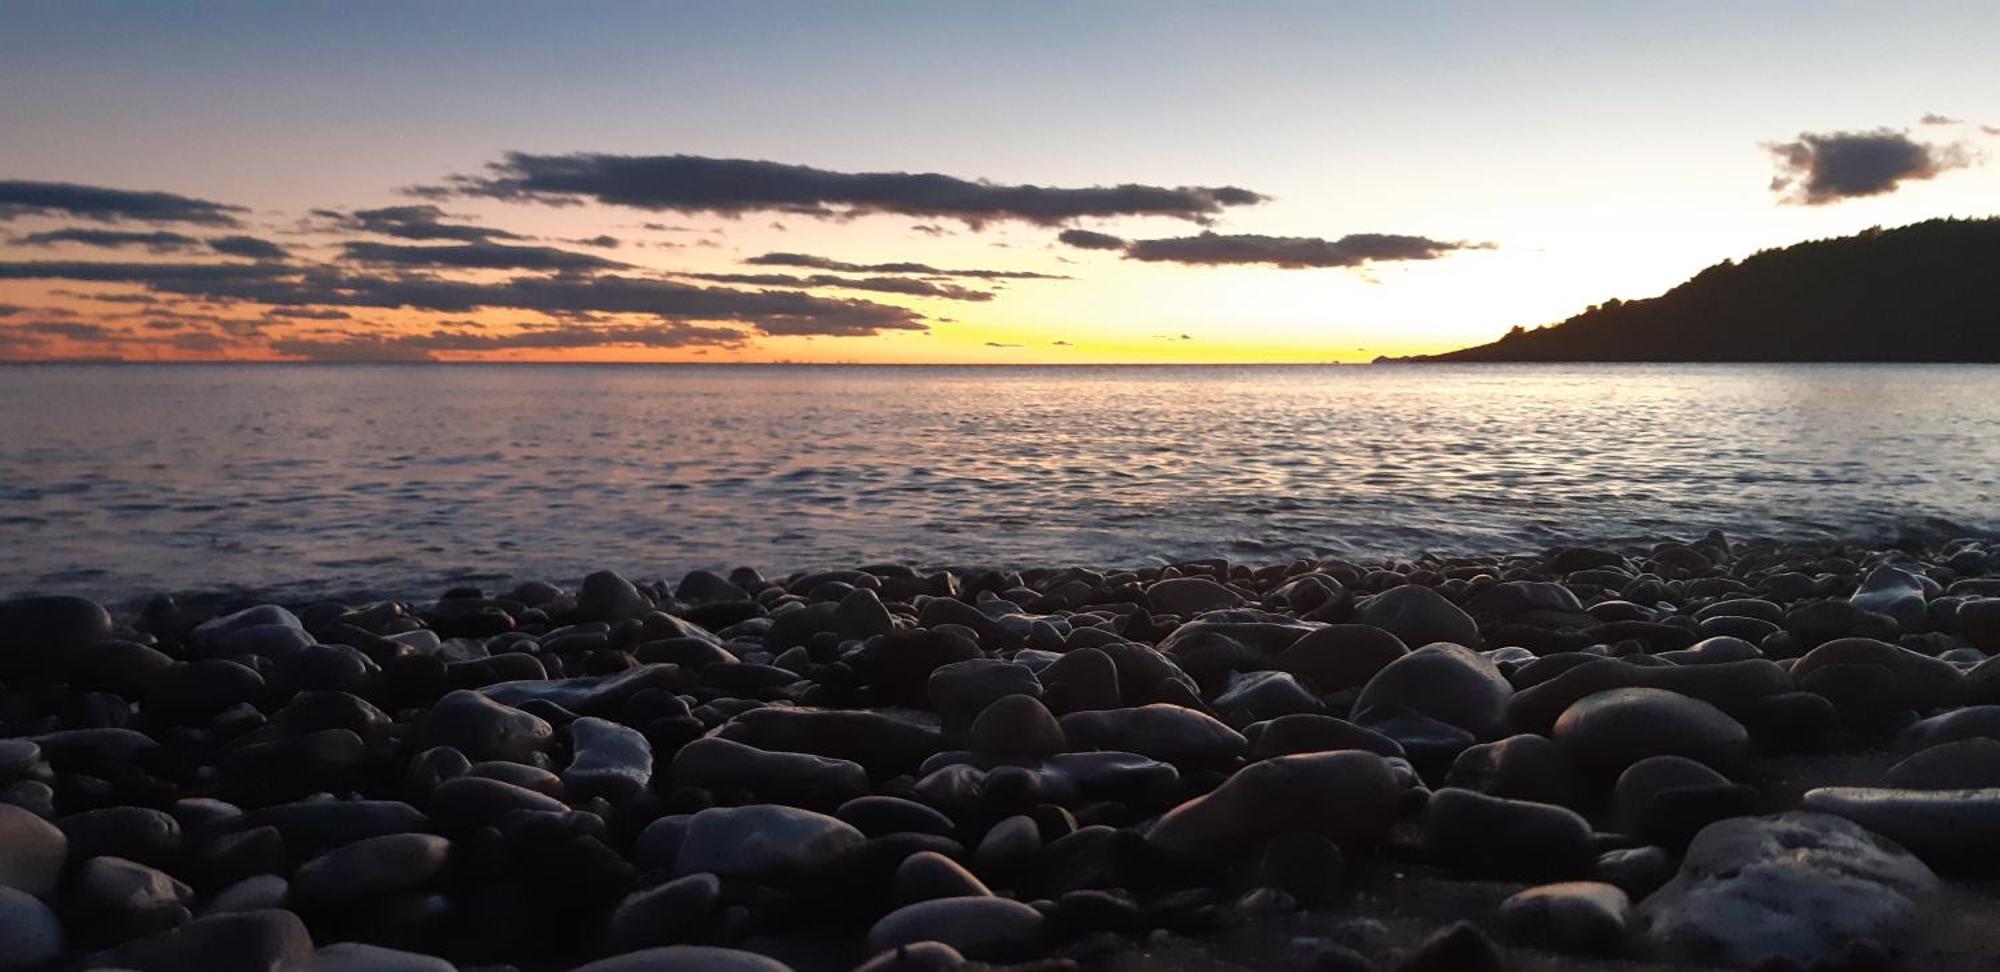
(303, 480)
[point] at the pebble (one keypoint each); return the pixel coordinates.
(1017, 727)
(1951, 830)
(1418, 616)
(1609, 731)
(30, 934)
(763, 843)
(1349, 796)
(32, 851)
(662, 915)
(1512, 838)
(1170, 733)
(1444, 682)
(369, 869)
(1340, 656)
(609, 760)
(1572, 916)
(484, 729)
(686, 958)
(982, 928)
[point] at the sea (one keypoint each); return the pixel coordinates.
(294, 482)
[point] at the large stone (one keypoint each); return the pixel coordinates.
(762, 843)
(248, 941)
(119, 899)
(597, 695)
(1418, 616)
(1611, 730)
(885, 742)
(32, 851)
(1162, 731)
(1895, 592)
(1017, 727)
(484, 729)
(266, 629)
(1952, 830)
(1733, 687)
(608, 760)
(662, 915)
(961, 690)
(1967, 764)
(1917, 681)
(1349, 796)
(30, 935)
(605, 596)
(1443, 682)
(369, 869)
(1795, 887)
(359, 957)
(1523, 767)
(981, 927)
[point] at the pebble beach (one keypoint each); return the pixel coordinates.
(1697, 754)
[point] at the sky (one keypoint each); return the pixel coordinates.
(939, 182)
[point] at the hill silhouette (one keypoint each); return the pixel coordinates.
(1929, 291)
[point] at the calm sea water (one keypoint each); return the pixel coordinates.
(302, 480)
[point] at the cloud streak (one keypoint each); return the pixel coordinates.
(811, 262)
(698, 184)
(19, 197)
(1288, 252)
(419, 222)
(157, 241)
(1819, 168)
(476, 256)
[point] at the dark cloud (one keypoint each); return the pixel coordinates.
(1060, 344)
(606, 241)
(997, 344)
(20, 197)
(249, 247)
(423, 347)
(74, 330)
(1933, 118)
(1990, 129)
(159, 241)
(477, 256)
(1087, 240)
(911, 286)
(9, 310)
(1291, 252)
(769, 311)
(811, 262)
(421, 222)
(1826, 167)
(692, 183)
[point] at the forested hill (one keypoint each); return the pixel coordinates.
(1925, 292)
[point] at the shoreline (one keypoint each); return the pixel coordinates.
(1195, 766)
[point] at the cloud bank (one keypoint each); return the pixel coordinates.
(698, 184)
(1288, 252)
(20, 197)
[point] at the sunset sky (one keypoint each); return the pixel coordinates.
(939, 182)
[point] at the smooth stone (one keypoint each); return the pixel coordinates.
(32, 851)
(1713, 651)
(900, 664)
(1572, 916)
(1187, 596)
(267, 630)
(1967, 764)
(981, 928)
(120, 667)
(30, 934)
(258, 892)
(1081, 680)
(879, 816)
(1522, 767)
(1444, 682)
(1971, 722)
(519, 774)
(927, 875)
(1956, 831)
(1769, 612)
(38, 632)
(961, 690)
(861, 614)
(1314, 733)
(884, 742)
(1979, 621)
(1008, 847)
(466, 803)
(609, 760)
(1459, 947)
(1921, 682)
(369, 869)
(361, 957)
(193, 692)
(686, 958)
(484, 729)
(713, 762)
(313, 826)
(1638, 871)
(598, 695)
(606, 596)
(151, 837)
(1733, 687)
(762, 843)
(1610, 730)
(1793, 887)
(1341, 656)
(250, 941)
(1017, 727)
(1892, 591)
(1501, 837)
(1161, 731)
(1419, 616)
(915, 957)
(1257, 696)
(119, 899)
(662, 915)
(1646, 779)
(1350, 797)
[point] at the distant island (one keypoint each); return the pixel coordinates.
(1925, 292)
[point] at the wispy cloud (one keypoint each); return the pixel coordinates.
(811, 262)
(19, 197)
